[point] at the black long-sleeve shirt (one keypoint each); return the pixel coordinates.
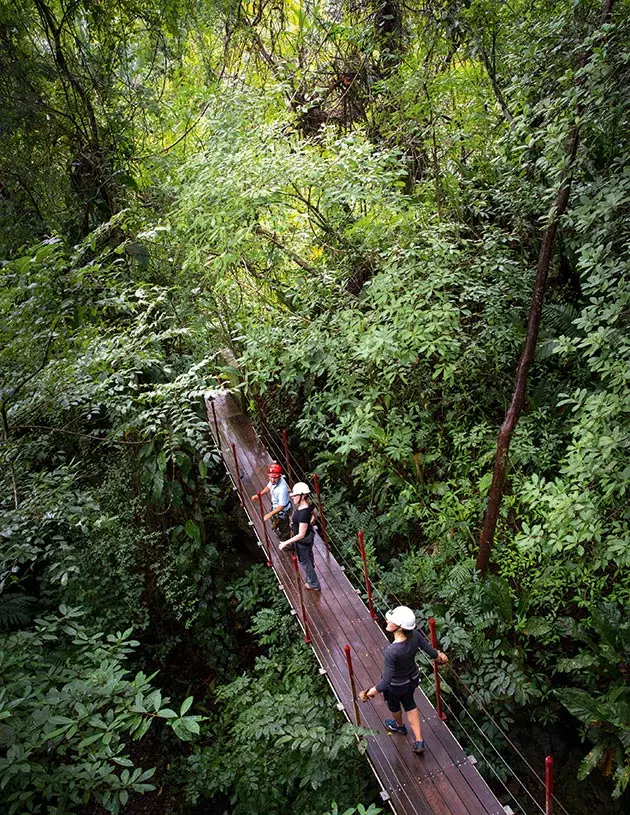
(400, 661)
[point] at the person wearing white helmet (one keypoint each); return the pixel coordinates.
(303, 536)
(400, 673)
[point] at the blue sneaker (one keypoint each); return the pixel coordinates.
(394, 727)
(418, 747)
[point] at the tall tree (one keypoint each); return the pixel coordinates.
(506, 432)
(79, 90)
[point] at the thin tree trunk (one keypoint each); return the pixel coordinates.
(513, 413)
(90, 151)
(490, 66)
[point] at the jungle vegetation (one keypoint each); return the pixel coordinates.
(361, 215)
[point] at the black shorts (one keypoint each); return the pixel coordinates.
(401, 696)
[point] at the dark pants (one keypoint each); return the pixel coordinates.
(307, 562)
(280, 525)
(401, 695)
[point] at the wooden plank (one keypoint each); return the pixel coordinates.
(483, 792)
(442, 781)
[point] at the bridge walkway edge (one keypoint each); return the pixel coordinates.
(442, 781)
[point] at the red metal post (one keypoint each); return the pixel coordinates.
(264, 526)
(298, 580)
(357, 715)
(436, 673)
(548, 785)
(286, 456)
(321, 510)
(238, 475)
(368, 585)
(216, 427)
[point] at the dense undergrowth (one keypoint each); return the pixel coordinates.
(348, 203)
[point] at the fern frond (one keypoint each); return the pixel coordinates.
(15, 610)
(558, 318)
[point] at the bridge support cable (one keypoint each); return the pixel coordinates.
(444, 781)
(275, 444)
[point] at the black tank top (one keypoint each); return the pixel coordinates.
(303, 516)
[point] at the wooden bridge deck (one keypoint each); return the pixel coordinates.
(443, 781)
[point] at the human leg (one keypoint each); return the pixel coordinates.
(413, 717)
(307, 562)
(394, 725)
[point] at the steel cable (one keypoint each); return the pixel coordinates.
(275, 441)
(278, 449)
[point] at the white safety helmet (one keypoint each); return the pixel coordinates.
(300, 488)
(403, 617)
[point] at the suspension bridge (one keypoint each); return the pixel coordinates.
(348, 643)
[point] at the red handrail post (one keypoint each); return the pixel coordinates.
(285, 441)
(321, 510)
(238, 475)
(264, 526)
(436, 673)
(357, 715)
(548, 785)
(216, 427)
(298, 580)
(368, 585)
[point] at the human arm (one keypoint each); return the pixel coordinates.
(439, 656)
(389, 664)
(364, 695)
(264, 491)
(388, 672)
(302, 530)
(273, 512)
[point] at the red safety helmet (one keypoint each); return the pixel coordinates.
(274, 469)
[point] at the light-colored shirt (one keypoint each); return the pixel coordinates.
(280, 495)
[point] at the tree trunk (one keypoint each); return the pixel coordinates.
(92, 174)
(513, 413)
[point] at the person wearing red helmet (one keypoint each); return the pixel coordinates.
(278, 489)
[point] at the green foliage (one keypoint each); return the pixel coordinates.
(258, 587)
(108, 565)
(15, 610)
(279, 741)
(604, 644)
(358, 810)
(94, 403)
(350, 205)
(68, 707)
(79, 104)
(47, 527)
(107, 388)
(607, 719)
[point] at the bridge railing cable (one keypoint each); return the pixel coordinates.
(277, 447)
(382, 604)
